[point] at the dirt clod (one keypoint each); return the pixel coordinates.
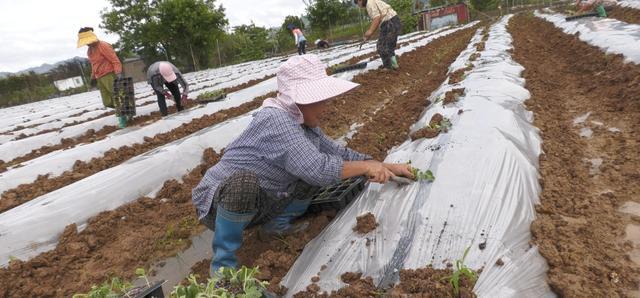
(365, 223)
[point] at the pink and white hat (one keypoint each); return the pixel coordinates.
(304, 80)
(167, 72)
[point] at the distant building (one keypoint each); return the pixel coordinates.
(438, 17)
(135, 68)
(69, 83)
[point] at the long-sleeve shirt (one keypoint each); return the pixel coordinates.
(298, 35)
(378, 8)
(103, 60)
(280, 152)
(155, 79)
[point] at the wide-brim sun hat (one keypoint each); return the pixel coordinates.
(166, 71)
(86, 38)
(304, 80)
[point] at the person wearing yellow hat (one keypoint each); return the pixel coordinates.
(105, 66)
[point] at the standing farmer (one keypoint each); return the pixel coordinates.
(105, 67)
(266, 175)
(383, 16)
(161, 74)
(301, 42)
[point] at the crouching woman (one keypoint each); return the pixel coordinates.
(266, 175)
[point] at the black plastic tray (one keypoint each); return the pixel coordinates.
(360, 65)
(217, 98)
(339, 195)
(154, 291)
(124, 97)
(591, 14)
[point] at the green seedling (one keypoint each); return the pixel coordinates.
(211, 94)
(461, 270)
(227, 282)
(141, 273)
(116, 289)
(420, 175)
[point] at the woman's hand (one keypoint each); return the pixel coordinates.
(400, 169)
(377, 172)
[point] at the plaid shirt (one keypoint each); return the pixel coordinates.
(279, 151)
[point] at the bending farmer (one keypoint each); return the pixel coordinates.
(383, 16)
(598, 6)
(301, 42)
(161, 74)
(266, 175)
(105, 66)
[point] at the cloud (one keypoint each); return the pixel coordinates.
(34, 32)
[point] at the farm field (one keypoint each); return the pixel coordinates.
(527, 126)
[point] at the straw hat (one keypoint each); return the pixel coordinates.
(86, 38)
(304, 80)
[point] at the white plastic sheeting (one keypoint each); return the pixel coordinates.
(59, 161)
(635, 4)
(612, 36)
(34, 227)
(484, 192)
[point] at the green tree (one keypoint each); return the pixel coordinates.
(251, 42)
(295, 20)
(157, 29)
(404, 10)
(483, 5)
(324, 14)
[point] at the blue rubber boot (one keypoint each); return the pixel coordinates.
(227, 238)
(122, 121)
(281, 224)
(394, 63)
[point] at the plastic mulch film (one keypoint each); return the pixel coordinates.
(57, 162)
(34, 226)
(611, 35)
(483, 196)
(635, 4)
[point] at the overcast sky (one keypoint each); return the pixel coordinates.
(33, 32)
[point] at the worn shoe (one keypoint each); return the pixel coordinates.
(281, 225)
(227, 238)
(394, 63)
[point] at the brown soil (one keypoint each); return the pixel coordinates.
(453, 95)
(72, 268)
(625, 14)
(428, 131)
(458, 75)
(578, 228)
(365, 223)
(114, 243)
(421, 73)
(82, 169)
(429, 282)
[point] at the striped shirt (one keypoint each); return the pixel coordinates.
(280, 152)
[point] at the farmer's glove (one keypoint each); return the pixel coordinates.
(184, 97)
(167, 94)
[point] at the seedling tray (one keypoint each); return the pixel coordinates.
(591, 14)
(339, 195)
(154, 291)
(124, 97)
(360, 65)
(212, 99)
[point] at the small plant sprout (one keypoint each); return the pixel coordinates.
(461, 270)
(141, 273)
(443, 126)
(422, 175)
(115, 289)
(211, 94)
(227, 282)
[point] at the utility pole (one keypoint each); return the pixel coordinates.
(219, 57)
(84, 80)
